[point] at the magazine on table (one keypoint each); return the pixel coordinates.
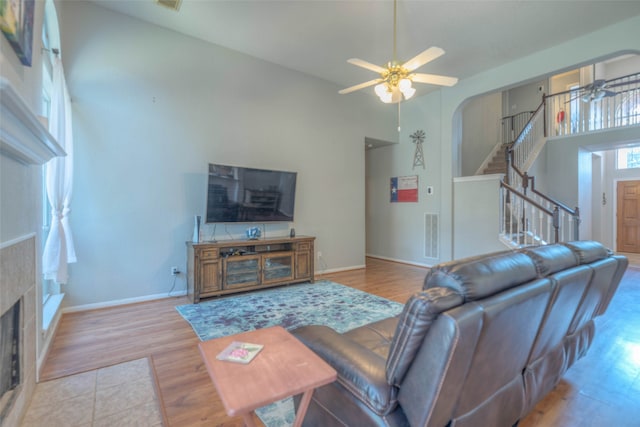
(240, 352)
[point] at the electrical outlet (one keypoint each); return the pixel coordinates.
(319, 254)
(175, 270)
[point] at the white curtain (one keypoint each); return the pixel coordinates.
(59, 250)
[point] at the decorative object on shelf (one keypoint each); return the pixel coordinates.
(253, 233)
(292, 233)
(418, 156)
(16, 22)
(404, 189)
(196, 229)
(395, 79)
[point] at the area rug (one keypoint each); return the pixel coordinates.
(321, 303)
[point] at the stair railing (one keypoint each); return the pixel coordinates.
(530, 217)
(513, 125)
(524, 222)
(569, 114)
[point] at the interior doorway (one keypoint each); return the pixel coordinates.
(628, 216)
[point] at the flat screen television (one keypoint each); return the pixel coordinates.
(238, 194)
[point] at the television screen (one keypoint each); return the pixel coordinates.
(237, 194)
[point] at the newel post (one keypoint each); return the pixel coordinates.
(556, 223)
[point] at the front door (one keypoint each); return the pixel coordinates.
(628, 216)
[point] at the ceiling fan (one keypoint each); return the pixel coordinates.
(599, 89)
(395, 81)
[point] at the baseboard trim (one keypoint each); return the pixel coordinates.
(400, 261)
(114, 303)
(338, 270)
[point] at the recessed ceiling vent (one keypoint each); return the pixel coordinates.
(171, 4)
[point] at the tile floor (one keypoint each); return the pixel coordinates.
(120, 395)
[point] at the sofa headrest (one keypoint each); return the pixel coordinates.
(588, 251)
(479, 277)
(413, 323)
(550, 259)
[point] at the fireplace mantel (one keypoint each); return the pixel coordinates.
(22, 136)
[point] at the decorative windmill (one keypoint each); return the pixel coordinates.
(418, 157)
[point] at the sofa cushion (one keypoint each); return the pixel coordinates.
(588, 251)
(376, 336)
(360, 370)
(550, 259)
(413, 323)
(480, 277)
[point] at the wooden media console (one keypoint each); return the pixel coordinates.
(224, 267)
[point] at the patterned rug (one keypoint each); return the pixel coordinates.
(322, 303)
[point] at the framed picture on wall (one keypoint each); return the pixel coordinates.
(404, 189)
(16, 23)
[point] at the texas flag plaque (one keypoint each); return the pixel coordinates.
(404, 189)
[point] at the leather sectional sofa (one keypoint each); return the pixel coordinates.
(484, 341)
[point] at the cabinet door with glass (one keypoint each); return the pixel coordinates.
(241, 271)
(277, 267)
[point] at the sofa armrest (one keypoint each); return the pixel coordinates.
(360, 370)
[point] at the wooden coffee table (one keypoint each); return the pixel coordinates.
(284, 367)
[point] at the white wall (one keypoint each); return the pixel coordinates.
(424, 111)
(620, 67)
(526, 97)
(480, 130)
(476, 234)
(395, 230)
(152, 108)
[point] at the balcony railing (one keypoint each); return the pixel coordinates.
(575, 112)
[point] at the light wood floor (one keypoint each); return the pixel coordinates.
(99, 338)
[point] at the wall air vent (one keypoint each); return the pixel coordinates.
(170, 4)
(431, 248)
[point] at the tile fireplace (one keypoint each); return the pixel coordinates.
(25, 145)
(10, 348)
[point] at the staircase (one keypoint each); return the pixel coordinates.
(498, 163)
(527, 216)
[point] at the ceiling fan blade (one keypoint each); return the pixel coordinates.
(368, 65)
(433, 79)
(422, 58)
(360, 86)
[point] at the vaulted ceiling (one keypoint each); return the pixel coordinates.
(317, 37)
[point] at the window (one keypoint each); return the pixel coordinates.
(51, 295)
(628, 158)
(47, 82)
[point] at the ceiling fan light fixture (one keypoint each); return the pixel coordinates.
(404, 85)
(409, 92)
(396, 79)
(380, 90)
